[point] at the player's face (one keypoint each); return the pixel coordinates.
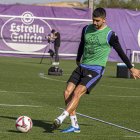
(98, 22)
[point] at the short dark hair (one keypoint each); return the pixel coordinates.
(99, 12)
(53, 31)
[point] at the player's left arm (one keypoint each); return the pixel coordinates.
(114, 42)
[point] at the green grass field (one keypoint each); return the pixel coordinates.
(114, 100)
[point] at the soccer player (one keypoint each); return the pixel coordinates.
(97, 39)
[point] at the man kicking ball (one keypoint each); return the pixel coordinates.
(97, 39)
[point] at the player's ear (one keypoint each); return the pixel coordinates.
(104, 20)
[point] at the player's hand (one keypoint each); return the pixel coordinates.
(135, 73)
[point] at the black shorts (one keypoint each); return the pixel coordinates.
(86, 76)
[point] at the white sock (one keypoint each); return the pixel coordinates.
(63, 116)
(74, 121)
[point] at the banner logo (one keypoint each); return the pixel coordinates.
(25, 34)
(27, 18)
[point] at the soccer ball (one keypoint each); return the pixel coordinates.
(24, 124)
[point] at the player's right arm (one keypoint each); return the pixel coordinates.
(81, 47)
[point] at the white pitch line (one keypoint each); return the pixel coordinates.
(42, 75)
(16, 91)
(132, 136)
(109, 123)
(22, 91)
(121, 87)
(117, 96)
(10, 105)
(3, 91)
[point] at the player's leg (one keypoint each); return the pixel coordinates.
(71, 108)
(77, 94)
(72, 99)
(72, 82)
(67, 96)
(89, 80)
(69, 92)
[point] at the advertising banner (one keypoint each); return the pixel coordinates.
(24, 29)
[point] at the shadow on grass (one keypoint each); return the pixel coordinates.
(46, 125)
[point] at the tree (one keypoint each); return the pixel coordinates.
(129, 4)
